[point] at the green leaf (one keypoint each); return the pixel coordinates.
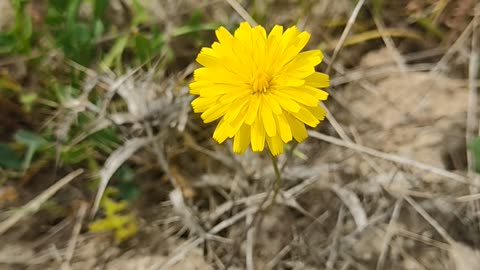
(27, 100)
(475, 148)
(7, 43)
(28, 138)
(430, 27)
(32, 141)
(128, 189)
(99, 8)
(140, 15)
(377, 7)
(76, 154)
(22, 27)
(115, 52)
(8, 158)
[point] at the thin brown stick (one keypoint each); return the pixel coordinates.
(242, 12)
(472, 119)
(454, 48)
(250, 243)
(430, 220)
(81, 213)
(345, 33)
(389, 234)
(390, 157)
(397, 57)
(33, 206)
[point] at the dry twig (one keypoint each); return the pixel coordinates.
(82, 211)
(390, 157)
(430, 220)
(242, 12)
(345, 33)
(34, 205)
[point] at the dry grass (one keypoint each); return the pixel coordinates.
(383, 184)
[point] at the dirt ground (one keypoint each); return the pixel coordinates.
(382, 184)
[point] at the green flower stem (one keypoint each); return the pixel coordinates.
(278, 178)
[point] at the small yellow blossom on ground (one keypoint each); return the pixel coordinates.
(261, 87)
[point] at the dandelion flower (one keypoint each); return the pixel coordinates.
(261, 87)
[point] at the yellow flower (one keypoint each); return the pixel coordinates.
(261, 87)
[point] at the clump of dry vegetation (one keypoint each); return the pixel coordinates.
(104, 166)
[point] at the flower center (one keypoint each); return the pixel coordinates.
(260, 82)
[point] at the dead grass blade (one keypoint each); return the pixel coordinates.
(350, 199)
(387, 39)
(33, 206)
(82, 211)
(464, 257)
(472, 113)
(430, 220)
(389, 234)
(390, 157)
(345, 33)
(454, 48)
(114, 161)
(242, 12)
(376, 34)
(472, 119)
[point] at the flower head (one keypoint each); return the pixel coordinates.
(261, 87)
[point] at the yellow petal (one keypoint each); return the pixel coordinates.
(217, 75)
(305, 59)
(195, 86)
(233, 95)
(257, 133)
(287, 104)
(252, 109)
(299, 131)
(208, 57)
(201, 104)
(273, 103)
(297, 95)
(224, 36)
(275, 145)
(236, 123)
(283, 128)
(276, 32)
(306, 117)
(241, 139)
(318, 112)
(259, 39)
(287, 81)
(272, 47)
(317, 93)
(209, 89)
(294, 45)
(244, 56)
(290, 34)
(303, 64)
(214, 112)
(236, 107)
(221, 132)
(244, 35)
(267, 118)
(317, 79)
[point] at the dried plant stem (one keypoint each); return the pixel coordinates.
(35, 204)
(242, 12)
(278, 179)
(345, 33)
(472, 119)
(430, 220)
(391, 157)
